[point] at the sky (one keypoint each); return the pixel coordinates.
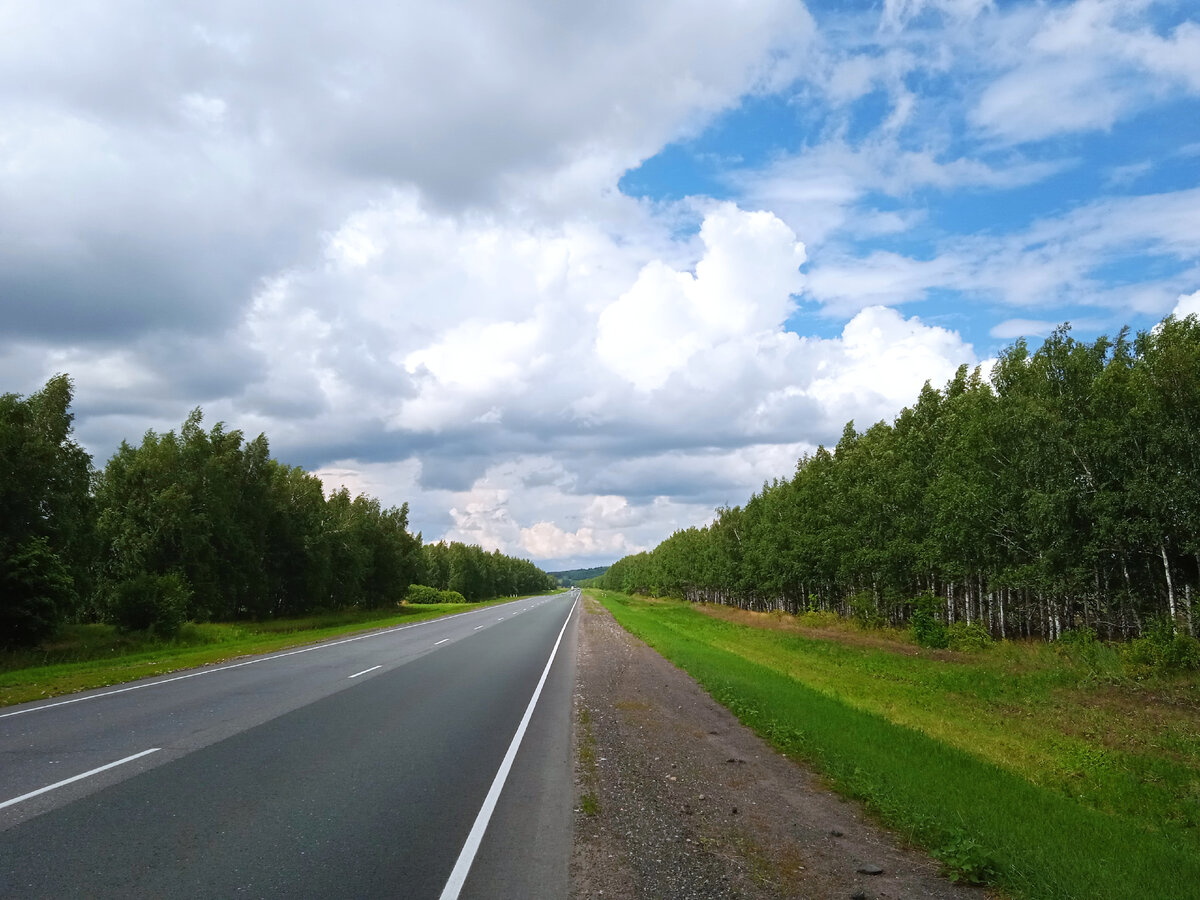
(567, 277)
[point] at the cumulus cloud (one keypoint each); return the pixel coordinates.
(555, 421)
(742, 286)
(1188, 305)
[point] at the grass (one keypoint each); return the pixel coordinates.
(1017, 766)
(81, 657)
(588, 802)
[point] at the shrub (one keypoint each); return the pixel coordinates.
(972, 637)
(1163, 649)
(1100, 661)
(819, 618)
(35, 590)
(451, 597)
(865, 610)
(156, 603)
(421, 593)
(927, 628)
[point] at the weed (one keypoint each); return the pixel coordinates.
(966, 860)
(971, 637)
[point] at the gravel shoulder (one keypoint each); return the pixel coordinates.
(676, 799)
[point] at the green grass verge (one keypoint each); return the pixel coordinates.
(983, 819)
(81, 657)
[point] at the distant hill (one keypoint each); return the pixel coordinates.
(574, 576)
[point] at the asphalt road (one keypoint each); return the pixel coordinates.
(354, 768)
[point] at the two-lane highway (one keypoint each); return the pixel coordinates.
(365, 767)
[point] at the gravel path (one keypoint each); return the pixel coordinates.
(676, 799)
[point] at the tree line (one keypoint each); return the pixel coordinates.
(1060, 492)
(198, 525)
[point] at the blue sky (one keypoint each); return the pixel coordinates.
(1136, 133)
(565, 277)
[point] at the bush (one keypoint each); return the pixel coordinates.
(865, 610)
(156, 603)
(972, 637)
(35, 590)
(1102, 662)
(1163, 649)
(927, 628)
(819, 618)
(421, 593)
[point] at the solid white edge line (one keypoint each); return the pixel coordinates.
(229, 668)
(73, 778)
(365, 671)
(462, 867)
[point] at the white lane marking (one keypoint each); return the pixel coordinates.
(365, 671)
(477, 627)
(230, 668)
(88, 774)
(442, 641)
(458, 875)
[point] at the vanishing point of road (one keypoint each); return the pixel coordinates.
(428, 760)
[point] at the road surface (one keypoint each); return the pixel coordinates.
(354, 768)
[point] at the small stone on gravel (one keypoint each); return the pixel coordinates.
(869, 869)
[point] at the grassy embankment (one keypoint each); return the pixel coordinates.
(89, 656)
(1047, 775)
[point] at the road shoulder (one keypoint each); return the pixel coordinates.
(675, 798)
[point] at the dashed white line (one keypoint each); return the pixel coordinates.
(73, 778)
(230, 668)
(442, 641)
(477, 627)
(365, 671)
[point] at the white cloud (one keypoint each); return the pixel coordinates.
(742, 286)
(1188, 305)
(1014, 328)
(1054, 260)
(817, 192)
(1082, 67)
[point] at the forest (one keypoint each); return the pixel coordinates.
(1059, 493)
(198, 526)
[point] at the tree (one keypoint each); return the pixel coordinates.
(46, 522)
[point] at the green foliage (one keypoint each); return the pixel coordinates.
(1063, 488)
(36, 588)
(927, 629)
(146, 602)
(422, 593)
(971, 637)
(477, 575)
(966, 861)
(46, 520)
(569, 577)
(1162, 648)
(200, 525)
(817, 618)
(865, 611)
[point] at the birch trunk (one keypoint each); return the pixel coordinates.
(1170, 587)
